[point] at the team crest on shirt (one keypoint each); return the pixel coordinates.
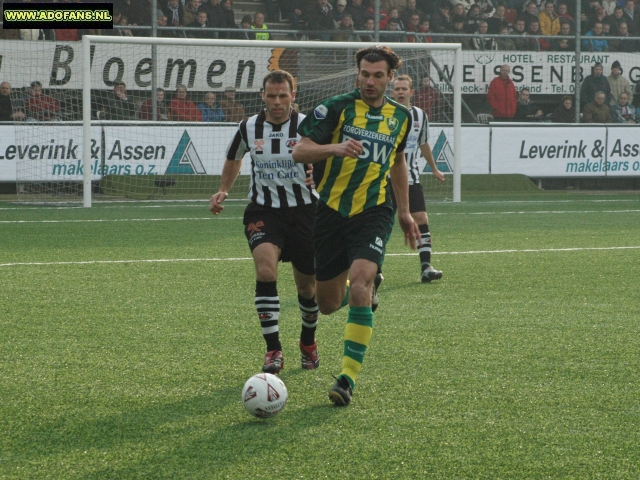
(258, 145)
(416, 125)
(392, 123)
(292, 142)
(320, 112)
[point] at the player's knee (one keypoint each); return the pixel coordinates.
(327, 305)
(266, 273)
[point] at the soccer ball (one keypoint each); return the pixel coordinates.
(264, 395)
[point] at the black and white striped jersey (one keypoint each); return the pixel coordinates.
(418, 135)
(276, 180)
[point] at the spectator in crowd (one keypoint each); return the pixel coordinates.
(201, 23)
(520, 28)
(483, 43)
(211, 112)
(502, 96)
(174, 12)
(616, 18)
(472, 19)
(606, 28)
(189, 13)
(392, 26)
(162, 112)
(427, 98)
(597, 111)
(371, 11)
(233, 110)
(459, 10)
(227, 19)
(599, 16)
(498, 20)
(369, 26)
(161, 20)
(321, 18)
(119, 106)
(358, 13)
(214, 11)
(465, 3)
(618, 83)
(565, 112)
(505, 43)
(245, 24)
(563, 15)
(129, 8)
(394, 13)
(341, 6)
(530, 13)
(67, 35)
(526, 111)
(260, 27)
(631, 16)
(596, 82)
(345, 30)
(409, 11)
(628, 46)
(458, 28)
(535, 44)
(296, 12)
(31, 34)
(487, 8)
(413, 26)
(10, 109)
(182, 108)
(124, 32)
(622, 111)
(39, 106)
(549, 20)
(441, 20)
(564, 45)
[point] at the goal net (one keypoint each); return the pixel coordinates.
(158, 114)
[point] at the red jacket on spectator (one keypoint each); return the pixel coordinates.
(427, 99)
(41, 107)
(502, 97)
(67, 35)
(184, 111)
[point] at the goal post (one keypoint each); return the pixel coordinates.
(222, 67)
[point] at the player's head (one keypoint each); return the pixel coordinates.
(160, 94)
(278, 95)
(402, 89)
(5, 88)
(376, 66)
(119, 87)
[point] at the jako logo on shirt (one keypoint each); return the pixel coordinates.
(320, 112)
(276, 135)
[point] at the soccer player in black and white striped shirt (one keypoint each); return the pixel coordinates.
(279, 218)
(417, 144)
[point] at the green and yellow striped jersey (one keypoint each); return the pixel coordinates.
(351, 185)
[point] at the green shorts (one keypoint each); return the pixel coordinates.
(338, 241)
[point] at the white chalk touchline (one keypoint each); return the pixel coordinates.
(234, 259)
(218, 217)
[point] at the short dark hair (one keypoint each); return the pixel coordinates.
(379, 53)
(118, 83)
(278, 76)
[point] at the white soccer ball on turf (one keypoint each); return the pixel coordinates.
(264, 395)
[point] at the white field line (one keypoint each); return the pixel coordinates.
(539, 212)
(236, 259)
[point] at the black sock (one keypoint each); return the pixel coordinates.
(425, 249)
(309, 313)
(268, 307)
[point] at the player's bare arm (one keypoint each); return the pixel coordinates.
(230, 172)
(308, 151)
(425, 149)
(399, 179)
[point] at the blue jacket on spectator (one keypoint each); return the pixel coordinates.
(599, 45)
(209, 114)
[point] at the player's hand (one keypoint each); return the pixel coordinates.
(308, 181)
(410, 230)
(350, 148)
(215, 204)
(439, 175)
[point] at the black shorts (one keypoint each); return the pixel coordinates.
(290, 229)
(338, 241)
(416, 198)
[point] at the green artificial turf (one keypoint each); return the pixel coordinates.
(128, 331)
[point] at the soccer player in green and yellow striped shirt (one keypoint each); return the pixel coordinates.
(355, 141)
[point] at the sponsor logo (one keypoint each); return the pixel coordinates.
(376, 248)
(185, 159)
(276, 135)
(442, 154)
(258, 145)
(255, 227)
(379, 242)
(392, 123)
(265, 316)
(272, 394)
(374, 117)
(320, 112)
(416, 125)
(292, 142)
(249, 394)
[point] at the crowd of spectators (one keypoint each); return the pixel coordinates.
(483, 25)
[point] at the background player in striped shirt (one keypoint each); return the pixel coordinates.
(279, 219)
(417, 143)
(356, 139)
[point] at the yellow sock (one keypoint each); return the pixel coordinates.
(357, 335)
